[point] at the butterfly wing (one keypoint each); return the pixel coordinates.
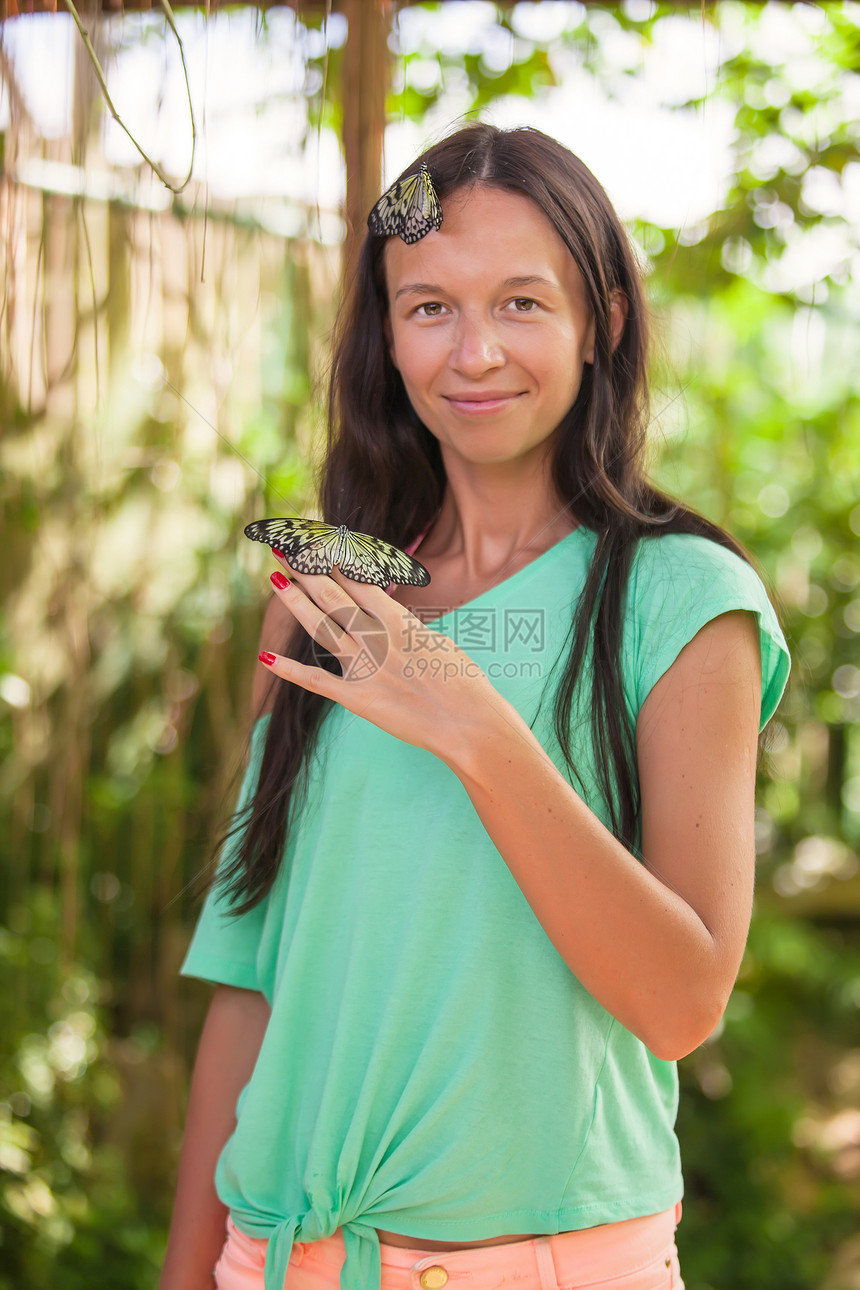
(409, 209)
(369, 559)
(309, 545)
(384, 219)
(388, 215)
(423, 211)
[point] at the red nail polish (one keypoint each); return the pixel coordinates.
(279, 555)
(266, 657)
(279, 580)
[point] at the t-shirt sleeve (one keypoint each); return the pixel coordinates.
(225, 948)
(679, 583)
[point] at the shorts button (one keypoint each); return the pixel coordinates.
(433, 1278)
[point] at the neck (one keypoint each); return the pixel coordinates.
(488, 514)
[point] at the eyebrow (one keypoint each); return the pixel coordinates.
(431, 288)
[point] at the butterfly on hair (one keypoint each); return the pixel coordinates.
(409, 209)
(311, 546)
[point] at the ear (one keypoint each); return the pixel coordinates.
(618, 315)
(617, 319)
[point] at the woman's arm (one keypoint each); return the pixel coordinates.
(228, 1049)
(659, 944)
(278, 627)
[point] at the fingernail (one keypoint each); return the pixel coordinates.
(279, 580)
(267, 658)
(279, 555)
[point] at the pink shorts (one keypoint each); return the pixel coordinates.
(637, 1254)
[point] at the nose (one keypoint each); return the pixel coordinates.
(477, 348)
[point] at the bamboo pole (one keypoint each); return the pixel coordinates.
(364, 89)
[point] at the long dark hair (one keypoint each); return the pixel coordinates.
(376, 443)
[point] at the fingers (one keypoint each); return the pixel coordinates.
(326, 609)
(336, 594)
(316, 679)
(319, 622)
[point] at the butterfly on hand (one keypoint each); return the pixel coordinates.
(313, 547)
(410, 209)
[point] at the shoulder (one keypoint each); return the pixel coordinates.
(679, 583)
(675, 574)
(275, 636)
(690, 556)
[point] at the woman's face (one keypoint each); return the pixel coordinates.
(488, 326)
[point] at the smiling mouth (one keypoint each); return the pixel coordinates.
(485, 402)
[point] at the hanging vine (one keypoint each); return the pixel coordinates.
(100, 77)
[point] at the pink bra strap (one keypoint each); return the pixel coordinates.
(413, 546)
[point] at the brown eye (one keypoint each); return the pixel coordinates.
(530, 305)
(432, 309)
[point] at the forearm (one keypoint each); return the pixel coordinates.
(229, 1045)
(634, 943)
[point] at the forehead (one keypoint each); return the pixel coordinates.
(486, 234)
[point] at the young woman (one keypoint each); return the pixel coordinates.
(493, 861)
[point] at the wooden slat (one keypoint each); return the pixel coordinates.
(11, 8)
(366, 79)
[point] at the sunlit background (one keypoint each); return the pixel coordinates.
(162, 369)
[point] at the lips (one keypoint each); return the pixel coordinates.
(472, 403)
(482, 396)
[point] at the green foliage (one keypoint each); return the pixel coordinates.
(765, 1118)
(72, 1206)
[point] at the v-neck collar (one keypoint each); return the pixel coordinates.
(538, 563)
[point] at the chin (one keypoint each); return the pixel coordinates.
(495, 454)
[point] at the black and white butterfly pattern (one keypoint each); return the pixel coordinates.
(313, 547)
(410, 209)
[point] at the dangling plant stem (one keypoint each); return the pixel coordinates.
(100, 77)
(322, 111)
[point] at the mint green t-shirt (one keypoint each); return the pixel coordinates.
(432, 1066)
